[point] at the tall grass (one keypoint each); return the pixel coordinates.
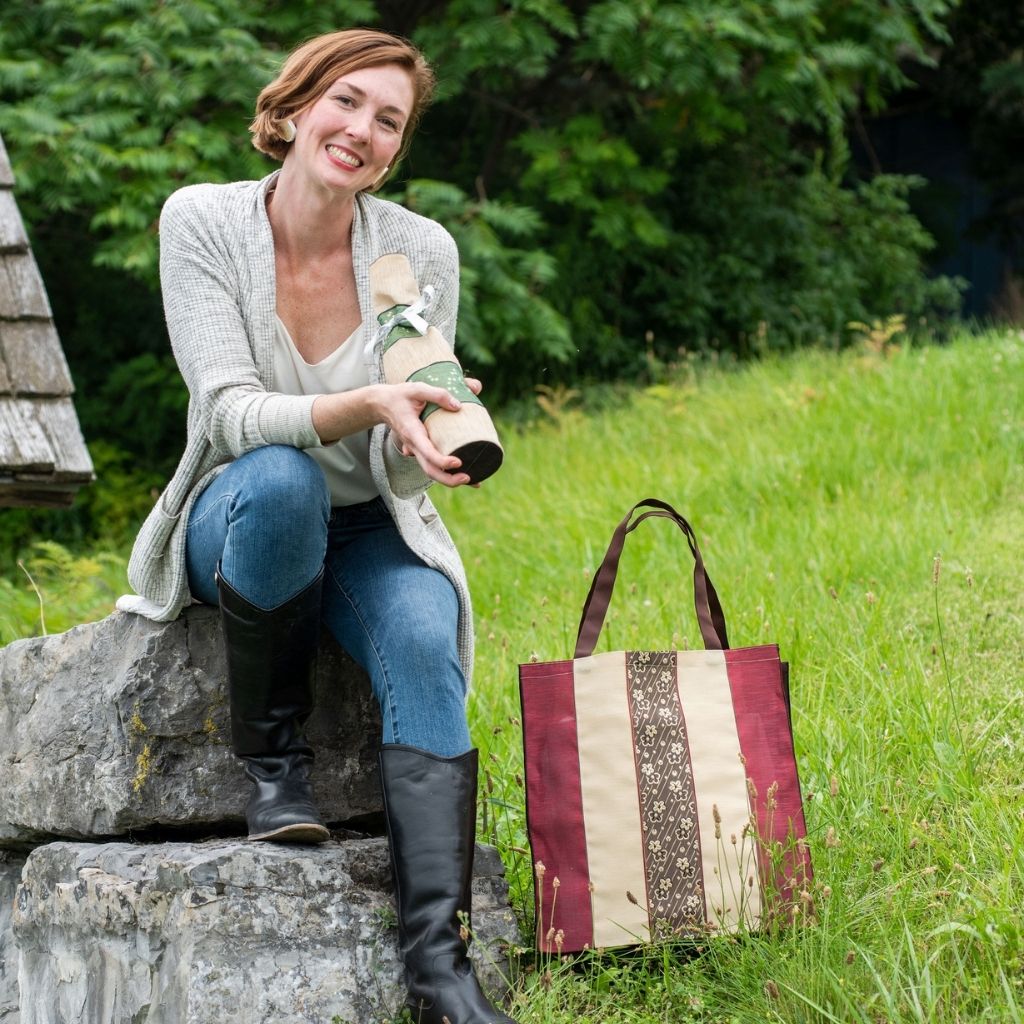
(863, 511)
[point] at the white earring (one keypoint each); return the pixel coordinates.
(287, 130)
(380, 177)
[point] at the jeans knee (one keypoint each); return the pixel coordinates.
(437, 652)
(287, 486)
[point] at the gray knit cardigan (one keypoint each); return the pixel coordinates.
(218, 281)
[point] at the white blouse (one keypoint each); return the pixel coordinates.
(346, 463)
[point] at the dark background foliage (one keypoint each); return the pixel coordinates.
(629, 181)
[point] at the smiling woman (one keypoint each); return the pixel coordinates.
(300, 494)
(316, 66)
(357, 125)
(344, 143)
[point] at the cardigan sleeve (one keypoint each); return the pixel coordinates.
(202, 306)
(441, 269)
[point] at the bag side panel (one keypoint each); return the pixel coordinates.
(554, 806)
(766, 739)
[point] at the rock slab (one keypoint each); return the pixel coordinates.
(10, 876)
(225, 930)
(122, 725)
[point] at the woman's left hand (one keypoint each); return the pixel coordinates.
(476, 387)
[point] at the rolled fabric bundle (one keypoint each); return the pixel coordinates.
(414, 351)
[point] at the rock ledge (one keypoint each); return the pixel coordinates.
(122, 725)
(204, 933)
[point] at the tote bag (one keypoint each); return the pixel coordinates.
(662, 796)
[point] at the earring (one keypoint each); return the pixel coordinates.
(287, 130)
(380, 177)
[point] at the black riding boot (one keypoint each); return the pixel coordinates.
(270, 659)
(430, 808)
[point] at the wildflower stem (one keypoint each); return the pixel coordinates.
(39, 597)
(965, 750)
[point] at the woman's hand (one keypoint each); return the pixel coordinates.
(398, 406)
(401, 406)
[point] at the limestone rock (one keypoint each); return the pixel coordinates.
(204, 933)
(10, 875)
(122, 725)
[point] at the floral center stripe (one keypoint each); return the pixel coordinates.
(668, 805)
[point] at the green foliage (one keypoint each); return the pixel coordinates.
(145, 400)
(626, 179)
(981, 82)
(112, 507)
(712, 184)
(122, 495)
(505, 325)
(56, 589)
(111, 104)
(486, 45)
(600, 180)
(841, 251)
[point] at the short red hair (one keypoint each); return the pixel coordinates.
(311, 69)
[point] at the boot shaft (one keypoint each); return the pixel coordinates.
(270, 661)
(430, 808)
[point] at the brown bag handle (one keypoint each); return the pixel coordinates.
(710, 617)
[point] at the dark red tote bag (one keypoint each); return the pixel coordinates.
(662, 795)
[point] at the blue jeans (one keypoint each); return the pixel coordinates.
(267, 520)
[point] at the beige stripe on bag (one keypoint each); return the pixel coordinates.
(719, 780)
(611, 804)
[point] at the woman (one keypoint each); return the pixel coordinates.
(300, 492)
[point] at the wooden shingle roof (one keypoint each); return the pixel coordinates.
(43, 458)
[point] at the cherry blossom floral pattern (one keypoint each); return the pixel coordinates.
(668, 806)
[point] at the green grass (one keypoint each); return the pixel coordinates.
(822, 488)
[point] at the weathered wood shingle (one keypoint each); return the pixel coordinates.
(43, 458)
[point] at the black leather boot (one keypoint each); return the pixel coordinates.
(270, 659)
(430, 809)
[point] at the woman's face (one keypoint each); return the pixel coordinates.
(346, 139)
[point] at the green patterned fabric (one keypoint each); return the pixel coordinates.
(447, 375)
(397, 332)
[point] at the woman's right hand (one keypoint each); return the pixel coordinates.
(400, 407)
